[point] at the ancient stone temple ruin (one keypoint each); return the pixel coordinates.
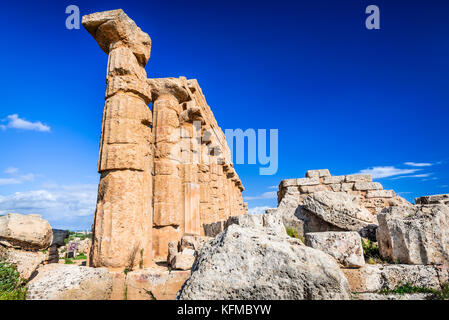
(165, 171)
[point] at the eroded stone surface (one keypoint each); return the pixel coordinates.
(243, 263)
(415, 235)
(345, 247)
(29, 232)
(70, 282)
(339, 209)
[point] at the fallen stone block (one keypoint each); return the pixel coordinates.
(434, 199)
(414, 234)
(28, 232)
(373, 278)
(339, 209)
(345, 247)
(70, 282)
(245, 263)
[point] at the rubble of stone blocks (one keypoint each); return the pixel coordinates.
(157, 180)
(28, 241)
(336, 213)
(371, 194)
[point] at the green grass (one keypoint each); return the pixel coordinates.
(12, 286)
(81, 256)
(371, 252)
(407, 288)
(68, 261)
(293, 232)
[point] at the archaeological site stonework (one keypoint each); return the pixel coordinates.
(166, 171)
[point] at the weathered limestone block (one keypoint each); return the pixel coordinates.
(318, 173)
(345, 247)
(266, 222)
(334, 179)
(183, 260)
(288, 183)
(26, 262)
(312, 189)
(28, 232)
(380, 194)
(373, 278)
(308, 181)
(434, 199)
(347, 186)
(281, 268)
(155, 284)
(362, 186)
(415, 235)
(339, 209)
(335, 187)
(358, 178)
(381, 296)
(70, 282)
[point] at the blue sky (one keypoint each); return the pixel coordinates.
(342, 97)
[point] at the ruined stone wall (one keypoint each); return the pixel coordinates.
(371, 194)
(165, 172)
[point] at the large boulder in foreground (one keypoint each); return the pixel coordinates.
(26, 262)
(345, 247)
(70, 282)
(340, 209)
(28, 232)
(255, 263)
(415, 235)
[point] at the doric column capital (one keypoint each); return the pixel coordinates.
(114, 29)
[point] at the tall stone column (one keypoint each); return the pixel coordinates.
(168, 202)
(123, 217)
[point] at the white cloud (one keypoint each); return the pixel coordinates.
(388, 171)
(14, 122)
(11, 170)
(62, 205)
(265, 195)
(16, 179)
(273, 187)
(418, 164)
(257, 210)
(423, 175)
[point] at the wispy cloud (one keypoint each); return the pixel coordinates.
(11, 170)
(257, 210)
(16, 178)
(14, 122)
(418, 164)
(62, 205)
(273, 187)
(423, 175)
(387, 171)
(265, 195)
